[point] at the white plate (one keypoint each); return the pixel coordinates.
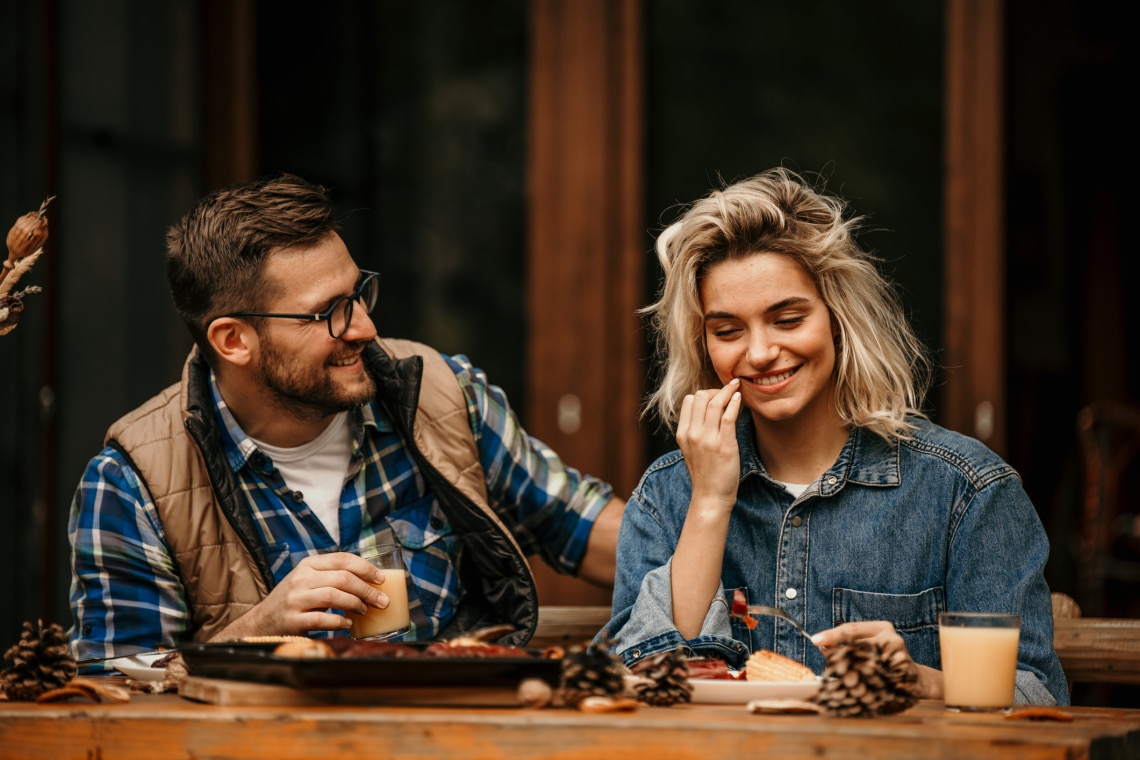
(717, 691)
(139, 666)
(724, 692)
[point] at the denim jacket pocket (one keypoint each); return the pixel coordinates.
(914, 616)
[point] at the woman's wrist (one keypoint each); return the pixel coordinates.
(929, 682)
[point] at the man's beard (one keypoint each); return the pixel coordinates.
(309, 392)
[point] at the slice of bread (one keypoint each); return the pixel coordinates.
(766, 665)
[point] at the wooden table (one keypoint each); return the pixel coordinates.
(169, 726)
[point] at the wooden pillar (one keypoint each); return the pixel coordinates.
(975, 396)
(229, 92)
(586, 246)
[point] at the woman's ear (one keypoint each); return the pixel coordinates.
(233, 341)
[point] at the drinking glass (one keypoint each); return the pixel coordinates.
(393, 620)
(979, 660)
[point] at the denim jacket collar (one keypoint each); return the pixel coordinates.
(866, 458)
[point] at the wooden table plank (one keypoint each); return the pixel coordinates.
(171, 727)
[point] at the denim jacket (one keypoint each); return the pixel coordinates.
(897, 532)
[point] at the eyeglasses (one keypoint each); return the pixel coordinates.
(338, 316)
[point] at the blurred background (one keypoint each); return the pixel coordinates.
(507, 164)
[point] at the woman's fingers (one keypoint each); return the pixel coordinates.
(928, 682)
(732, 410)
(685, 418)
(718, 403)
(706, 434)
(708, 411)
(878, 631)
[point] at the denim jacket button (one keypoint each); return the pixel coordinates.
(831, 480)
(797, 521)
(637, 654)
(791, 593)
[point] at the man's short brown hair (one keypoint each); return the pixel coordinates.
(216, 253)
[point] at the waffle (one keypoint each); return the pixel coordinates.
(271, 639)
(766, 665)
(307, 648)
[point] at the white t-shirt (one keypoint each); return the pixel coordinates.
(795, 489)
(317, 470)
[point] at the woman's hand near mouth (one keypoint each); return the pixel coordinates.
(706, 433)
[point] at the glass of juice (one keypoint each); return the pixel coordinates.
(393, 620)
(979, 660)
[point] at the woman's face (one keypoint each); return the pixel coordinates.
(766, 324)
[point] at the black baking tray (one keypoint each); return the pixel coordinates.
(257, 663)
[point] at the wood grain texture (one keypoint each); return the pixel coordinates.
(1099, 650)
(586, 247)
(170, 727)
(974, 218)
(217, 691)
(568, 625)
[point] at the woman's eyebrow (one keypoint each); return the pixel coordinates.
(793, 301)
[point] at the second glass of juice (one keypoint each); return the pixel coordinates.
(979, 660)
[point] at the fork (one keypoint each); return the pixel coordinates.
(766, 609)
(144, 653)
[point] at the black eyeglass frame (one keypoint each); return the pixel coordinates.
(327, 315)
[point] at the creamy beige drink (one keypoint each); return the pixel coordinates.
(979, 660)
(390, 621)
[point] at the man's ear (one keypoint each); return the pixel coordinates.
(233, 341)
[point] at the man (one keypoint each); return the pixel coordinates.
(235, 503)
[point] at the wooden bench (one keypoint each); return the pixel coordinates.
(1095, 650)
(567, 626)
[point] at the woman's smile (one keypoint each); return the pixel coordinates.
(773, 383)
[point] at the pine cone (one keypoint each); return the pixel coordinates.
(861, 681)
(591, 671)
(41, 660)
(664, 679)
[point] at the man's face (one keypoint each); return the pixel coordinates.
(304, 370)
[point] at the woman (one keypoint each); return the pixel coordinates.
(807, 476)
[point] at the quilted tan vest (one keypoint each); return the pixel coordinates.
(219, 571)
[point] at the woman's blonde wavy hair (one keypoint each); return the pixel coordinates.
(882, 369)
